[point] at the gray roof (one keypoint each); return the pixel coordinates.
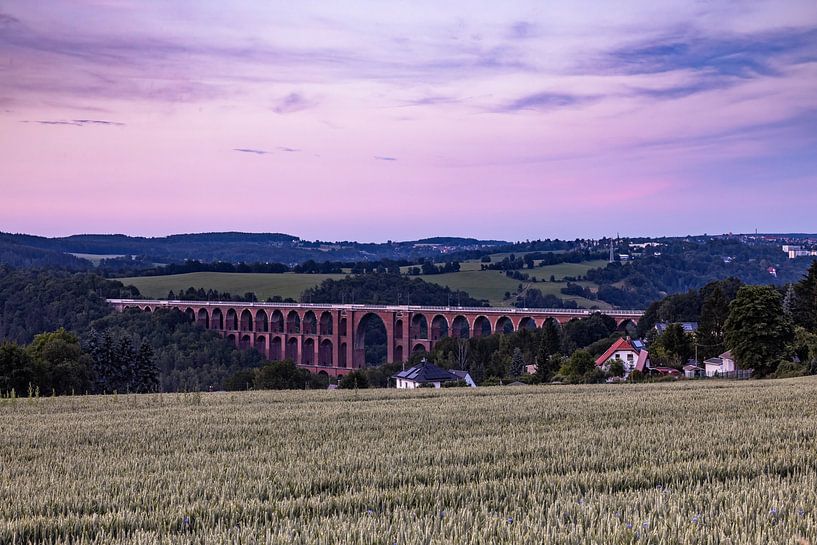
(426, 372)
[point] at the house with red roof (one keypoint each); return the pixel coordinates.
(630, 353)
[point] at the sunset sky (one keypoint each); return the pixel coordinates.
(399, 120)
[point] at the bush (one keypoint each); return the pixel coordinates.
(355, 379)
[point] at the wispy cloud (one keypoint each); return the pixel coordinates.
(77, 122)
(293, 102)
(252, 150)
(385, 158)
(289, 150)
(546, 101)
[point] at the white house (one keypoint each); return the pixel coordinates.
(426, 374)
(721, 365)
(632, 357)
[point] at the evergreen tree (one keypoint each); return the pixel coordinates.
(676, 343)
(714, 312)
(789, 301)
(517, 363)
(757, 331)
(147, 374)
(805, 307)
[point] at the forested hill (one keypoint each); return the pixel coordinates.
(387, 289)
(680, 265)
(231, 247)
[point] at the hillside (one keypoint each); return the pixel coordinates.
(237, 247)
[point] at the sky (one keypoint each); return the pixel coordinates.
(392, 120)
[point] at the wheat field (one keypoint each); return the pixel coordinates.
(686, 463)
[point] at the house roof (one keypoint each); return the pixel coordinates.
(459, 373)
(691, 367)
(714, 361)
(426, 372)
(726, 356)
(641, 364)
(621, 344)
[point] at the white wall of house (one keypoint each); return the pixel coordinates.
(726, 366)
(405, 384)
(627, 357)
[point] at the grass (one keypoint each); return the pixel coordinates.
(683, 463)
(264, 285)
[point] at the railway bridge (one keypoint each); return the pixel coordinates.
(330, 338)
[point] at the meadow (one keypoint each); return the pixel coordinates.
(683, 463)
(263, 285)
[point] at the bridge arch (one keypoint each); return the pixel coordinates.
(261, 345)
(276, 351)
(325, 353)
(398, 353)
(419, 326)
(246, 320)
(261, 321)
(398, 329)
(293, 322)
(245, 343)
(342, 355)
(439, 327)
(418, 348)
(146, 309)
(190, 314)
(217, 319)
(232, 340)
(342, 326)
(527, 323)
(203, 318)
(308, 352)
(277, 321)
(232, 320)
(292, 350)
(482, 326)
(503, 325)
(370, 340)
(628, 326)
(460, 328)
(310, 324)
(326, 323)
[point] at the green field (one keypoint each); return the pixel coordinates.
(263, 285)
(490, 285)
(686, 463)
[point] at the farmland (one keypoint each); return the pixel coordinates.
(700, 462)
(263, 285)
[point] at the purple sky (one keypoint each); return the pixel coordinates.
(385, 120)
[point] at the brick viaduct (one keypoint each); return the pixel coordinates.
(330, 338)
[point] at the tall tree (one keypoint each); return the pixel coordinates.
(16, 369)
(549, 345)
(757, 330)
(60, 365)
(146, 378)
(714, 312)
(517, 363)
(676, 343)
(805, 305)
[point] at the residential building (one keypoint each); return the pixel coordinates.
(720, 365)
(428, 374)
(689, 327)
(624, 350)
